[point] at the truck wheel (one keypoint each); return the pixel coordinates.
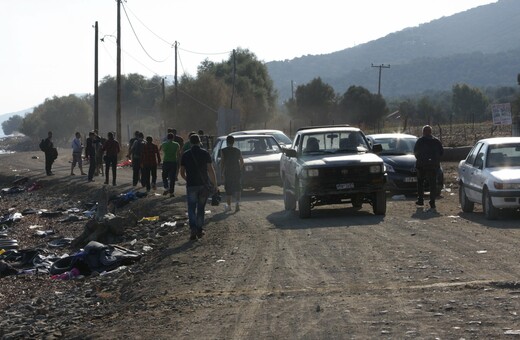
(289, 200)
(379, 203)
(304, 206)
(466, 205)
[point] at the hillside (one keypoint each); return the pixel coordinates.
(480, 47)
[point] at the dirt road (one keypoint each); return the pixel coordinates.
(263, 273)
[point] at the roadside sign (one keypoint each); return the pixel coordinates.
(501, 114)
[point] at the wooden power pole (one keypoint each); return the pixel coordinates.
(118, 76)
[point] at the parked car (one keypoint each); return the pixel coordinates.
(331, 165)
(399, 161)
(280, 137)
(490, 175)
(261, 155)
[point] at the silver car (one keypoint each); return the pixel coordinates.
(490, 175)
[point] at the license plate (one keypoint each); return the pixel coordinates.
(272, 174)
(410, 179)
(343, 186)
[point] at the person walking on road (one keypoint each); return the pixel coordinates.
(90, 155)
(198, 171)
(232, 163)
(111, 149)
(171, 152)
(134, 153)
(77, 150)
(150, 158)
(428, 151)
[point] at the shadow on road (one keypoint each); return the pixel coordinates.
(326, 218)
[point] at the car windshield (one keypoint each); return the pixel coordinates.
(281, 138)
(250, 146)
(334, 142)
(396, 145)
(503, 155)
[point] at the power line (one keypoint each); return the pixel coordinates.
(139, 41)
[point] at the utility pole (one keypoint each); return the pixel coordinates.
(118, 77)
(96, 95)
(234, 78)
(176, 82)
(379, 84)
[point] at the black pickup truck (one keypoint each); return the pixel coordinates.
(331, 165)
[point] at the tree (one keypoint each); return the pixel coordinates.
(61, 115)
(468, 103)
(314, 102)
(360, 106)
(253, 88)
(13, 124)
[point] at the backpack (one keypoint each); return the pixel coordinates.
(42, 145)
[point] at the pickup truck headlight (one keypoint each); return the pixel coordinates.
(311, 173)
(375, 169)
(248, 168)
(506, 186)
(389, 168)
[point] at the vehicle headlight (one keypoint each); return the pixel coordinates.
(375, 169)
(248, 168)
(389, 168)
(311, 173)
(506, 186)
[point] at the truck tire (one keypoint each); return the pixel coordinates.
(304, 206)
(289, 200)
(379, 203)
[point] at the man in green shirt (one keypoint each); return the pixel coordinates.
(171, 152)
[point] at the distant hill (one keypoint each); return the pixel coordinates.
(480, 47)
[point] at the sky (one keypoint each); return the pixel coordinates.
(47, 47)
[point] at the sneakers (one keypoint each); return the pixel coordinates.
(166, 192)
(227, 208)
(419, 202)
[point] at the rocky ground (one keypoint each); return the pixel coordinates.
(263, 273)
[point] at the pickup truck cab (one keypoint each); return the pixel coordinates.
(331, 165)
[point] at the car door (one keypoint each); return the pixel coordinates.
(471, 173)
(216, 156)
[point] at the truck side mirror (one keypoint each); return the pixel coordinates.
(289, 152)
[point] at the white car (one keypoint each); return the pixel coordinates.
(490, 175)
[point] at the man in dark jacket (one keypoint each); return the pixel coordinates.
(428, 151)
(197, 169)
(51, 153)
(90, 155)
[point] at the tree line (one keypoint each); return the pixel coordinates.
(242, 82)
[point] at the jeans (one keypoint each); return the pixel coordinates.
(169, 170)
(147, 172)
(197, 197)
(92, 166)
(429, 175)
(110, 162)
(136, 169)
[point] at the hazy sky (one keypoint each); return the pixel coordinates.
(48, 45)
